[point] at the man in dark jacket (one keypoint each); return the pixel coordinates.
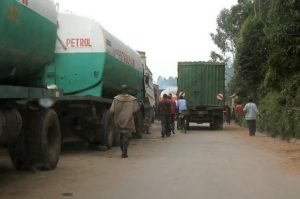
(165, 112)
(123, 108)
(173, 113)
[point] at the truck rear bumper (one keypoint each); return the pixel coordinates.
(205, 116)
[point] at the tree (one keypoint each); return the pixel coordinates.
(251, 55)
(215, 57)
(229, 24)
(283, 35)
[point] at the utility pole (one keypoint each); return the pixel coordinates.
(259, 7)
(254, 7)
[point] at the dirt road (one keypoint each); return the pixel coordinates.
(200, 164)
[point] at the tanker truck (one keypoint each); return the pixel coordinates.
(58, 76)
(203, 85)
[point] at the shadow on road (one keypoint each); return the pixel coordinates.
(8, 174)
(68, 148)
(75, 146)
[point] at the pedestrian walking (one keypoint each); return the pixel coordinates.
(239, 113)
(148, 109)
(173, 113)
(123, 108)
(181, 106)
(227, 114)
(251, 112)
(165, 112)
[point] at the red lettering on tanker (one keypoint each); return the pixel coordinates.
(79, 43)
(123, 57)
(25, 2)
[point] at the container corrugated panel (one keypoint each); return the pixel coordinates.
(201, 82)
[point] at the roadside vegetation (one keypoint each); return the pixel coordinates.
(263, 39)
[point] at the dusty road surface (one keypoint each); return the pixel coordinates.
(204, 164)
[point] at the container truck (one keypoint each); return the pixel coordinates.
(58, 76)
(203, 86)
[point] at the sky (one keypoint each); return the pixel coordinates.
(168, 31)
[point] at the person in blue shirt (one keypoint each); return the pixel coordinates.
(181, 106)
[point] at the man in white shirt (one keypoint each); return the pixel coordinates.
(251, 112)
(181, 106)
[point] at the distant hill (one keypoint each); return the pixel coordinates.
(164, 83)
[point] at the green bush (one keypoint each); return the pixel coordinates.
(269, 113)
(279, 117)
(297, 124)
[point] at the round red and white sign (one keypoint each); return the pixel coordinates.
(182, 93)
(220, 96)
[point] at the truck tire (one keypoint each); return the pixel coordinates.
(220, 124)
(216, 124)
(44, 139)
(109, 130)
(18, 151)
(213, 124)
(139, 125)
(13, 136)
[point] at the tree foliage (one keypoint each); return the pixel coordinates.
(266, 44)
(215, 57)
(251, 56)
(229, 24)
(284, 36)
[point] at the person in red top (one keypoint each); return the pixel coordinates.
(165, 112)
(173, 113)
(227, 114)
(239, 113)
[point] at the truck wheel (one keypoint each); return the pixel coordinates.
(109, 129)
(17, 152)
(139, 125)
(216, 124)
(213, 124)
(17, 147)
(44, 139)
(220, 124)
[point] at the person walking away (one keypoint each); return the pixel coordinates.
(148, 115)
(181, 106)
(227, 114)
(239, 113)
(123, 108)
(165, 112)
(173, 113)
(251, 112)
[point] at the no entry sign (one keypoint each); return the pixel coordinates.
(220, 96)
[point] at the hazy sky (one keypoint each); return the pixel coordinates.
(167, 30)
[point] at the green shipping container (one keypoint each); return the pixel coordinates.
(203, 83)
